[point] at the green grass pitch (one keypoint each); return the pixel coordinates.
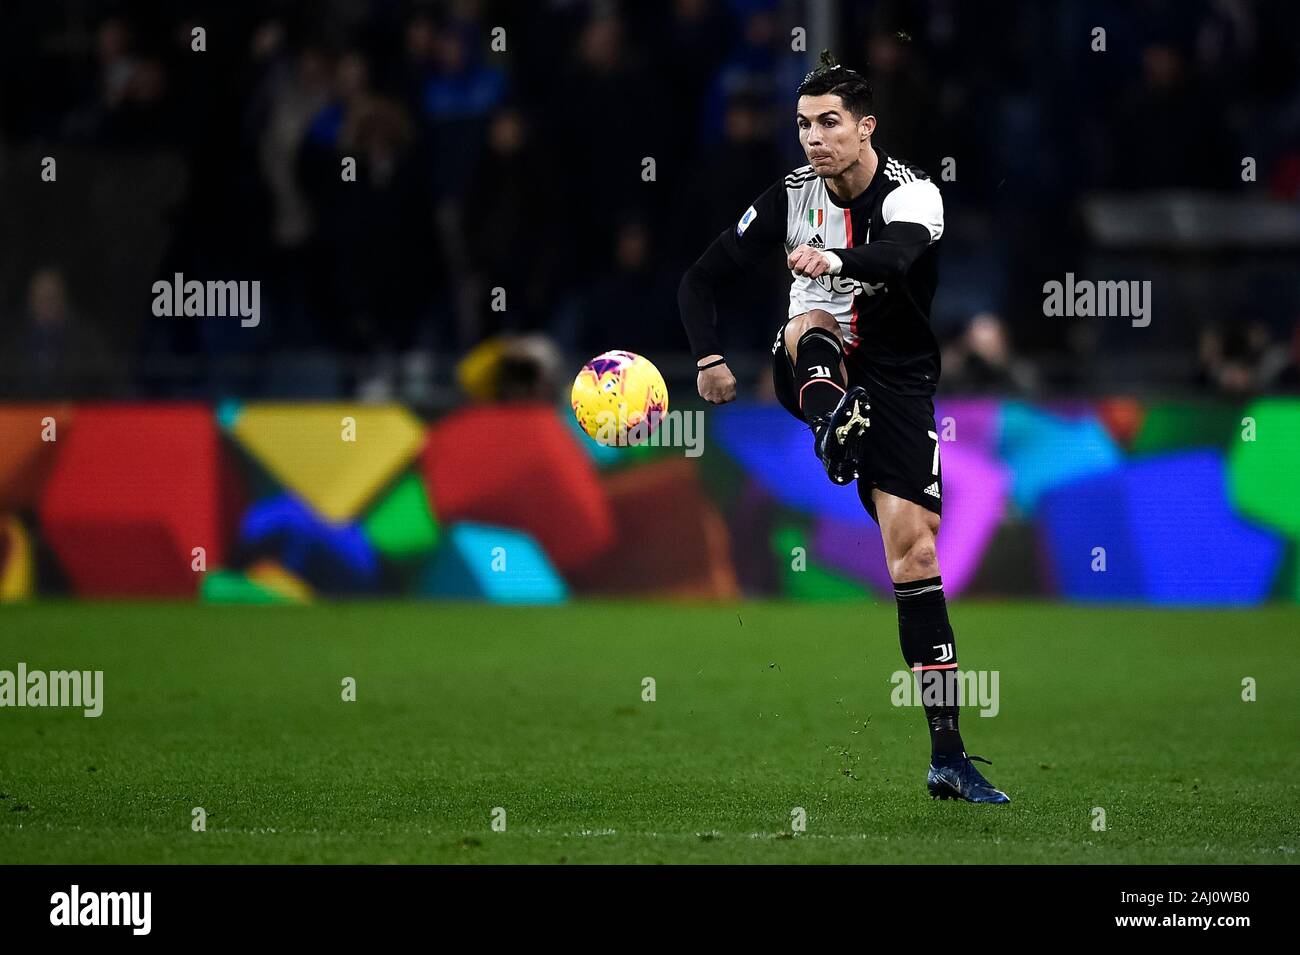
(760, 708)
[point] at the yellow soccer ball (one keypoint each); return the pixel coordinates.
(619, 398)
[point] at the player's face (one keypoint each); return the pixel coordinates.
(831, 136)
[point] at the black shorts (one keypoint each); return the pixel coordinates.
(903, 443)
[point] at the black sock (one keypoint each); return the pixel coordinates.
(817, 372)
(931, 652)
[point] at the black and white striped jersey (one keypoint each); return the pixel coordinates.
(885, 324)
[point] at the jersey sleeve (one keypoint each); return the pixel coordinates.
(918, 201)
(738, 248)
(759, 228)
(913, 220)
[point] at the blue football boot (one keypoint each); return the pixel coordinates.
(959, 779)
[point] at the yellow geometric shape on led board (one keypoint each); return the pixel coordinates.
(18, 573)
(274, 577)
(334, 455)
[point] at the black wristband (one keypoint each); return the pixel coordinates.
(712, 364)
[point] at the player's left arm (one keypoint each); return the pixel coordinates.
(913, 215)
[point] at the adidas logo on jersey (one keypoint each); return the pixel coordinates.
(933, 489)
(817, 242)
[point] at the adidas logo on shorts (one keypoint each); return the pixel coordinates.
(933, 489)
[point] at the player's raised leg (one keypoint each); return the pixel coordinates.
(909, 532)
(837, 415)
(817, 354)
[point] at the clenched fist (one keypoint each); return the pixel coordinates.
(808, 261)
(717, 385)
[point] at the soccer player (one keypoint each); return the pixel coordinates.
(857, 361)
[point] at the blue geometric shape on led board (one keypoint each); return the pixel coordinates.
(1045, 451)
(1169, 533)
(333, 558)
(482, 562)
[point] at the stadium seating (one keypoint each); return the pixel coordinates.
(135, 487)
(518, 465)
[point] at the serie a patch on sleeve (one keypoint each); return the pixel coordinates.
(750, 215)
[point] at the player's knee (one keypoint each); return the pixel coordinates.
(814, 318)
(818, 318)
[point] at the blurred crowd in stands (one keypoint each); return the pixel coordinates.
(517, 161)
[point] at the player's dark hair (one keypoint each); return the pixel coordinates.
(830, 78)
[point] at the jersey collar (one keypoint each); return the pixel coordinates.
(865, 196)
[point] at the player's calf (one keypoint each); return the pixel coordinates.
(818, 359)
(930, 650)
(914, 556)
